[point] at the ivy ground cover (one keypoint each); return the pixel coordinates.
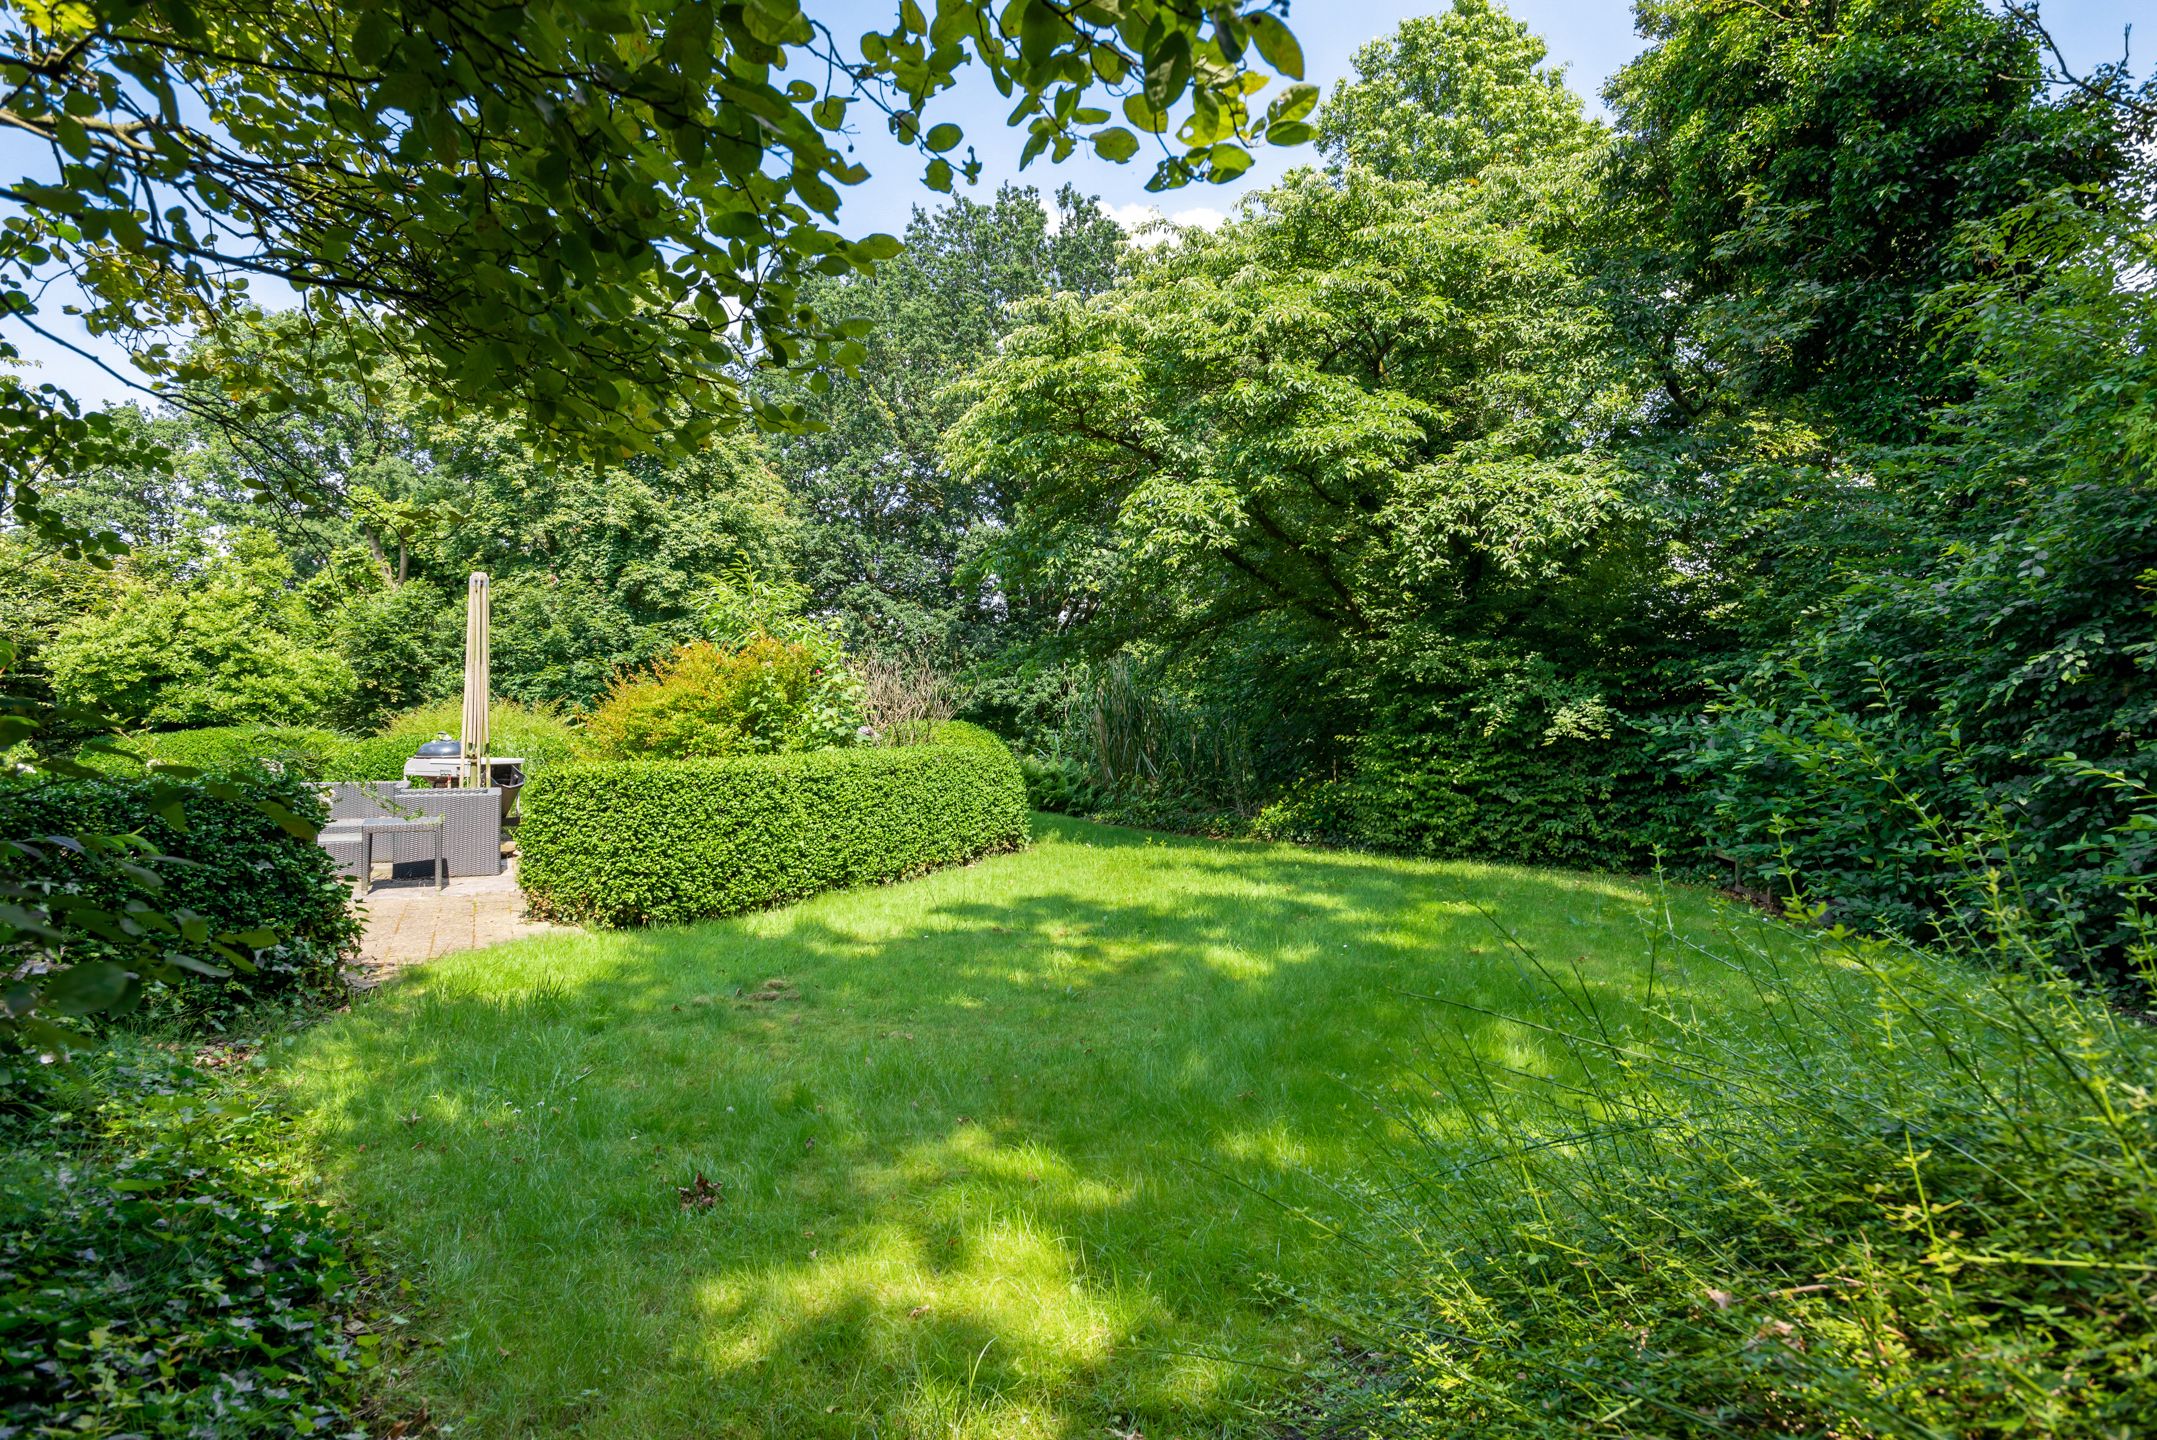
(1042, 1146)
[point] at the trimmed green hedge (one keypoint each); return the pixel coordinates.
(224, 748)
(539, 738)
(670, 841)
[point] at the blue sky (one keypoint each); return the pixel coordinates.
(1591, 38)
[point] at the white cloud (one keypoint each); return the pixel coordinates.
(1148, 226)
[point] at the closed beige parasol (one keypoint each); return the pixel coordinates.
(476, 680)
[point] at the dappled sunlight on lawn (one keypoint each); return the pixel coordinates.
(1009, 1150)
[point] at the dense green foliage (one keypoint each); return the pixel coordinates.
(164, 1274)
(766, 697)
(1914, 1203)
(1997, 667)
(534, 736)
(227, 642)
(594, 569)
(205, 853)
(602, 269)
(664, 842)
(1803, 176)
(1448, 96)
(301, 749)
(1334, 464)
(889, 532)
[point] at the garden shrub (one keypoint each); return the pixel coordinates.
(163, 1275)
(671, 841)
(537, 735)
(1060, 785)
(404, 646)
(1312, 812)
(1444, 788)
(233, 644)
(220, 748)
(1911, 1199)
(229, 864)
(769, 696)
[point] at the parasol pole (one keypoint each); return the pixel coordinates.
(477, 680)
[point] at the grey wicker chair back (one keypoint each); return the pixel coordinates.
(471, 820)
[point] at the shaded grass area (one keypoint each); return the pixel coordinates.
(1010, 1150)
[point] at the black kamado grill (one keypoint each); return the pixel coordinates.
(439, 765)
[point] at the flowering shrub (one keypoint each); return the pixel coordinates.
(768, 697)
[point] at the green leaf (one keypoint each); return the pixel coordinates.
(1295, 132)
(1116, 144)
(1293, 103)
(819, 196)
(72, 137)
(942, 137)
(1278, 44)
(373, 37)
(85, 989)
(1168, 71)
(1226, 161)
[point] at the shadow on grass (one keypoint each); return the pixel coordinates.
(1014, 1149)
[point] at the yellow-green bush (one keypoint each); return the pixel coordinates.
(670, 841)
(769, 696)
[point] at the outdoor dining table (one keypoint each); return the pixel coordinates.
(368, 829)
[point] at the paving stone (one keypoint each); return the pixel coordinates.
(410, 922)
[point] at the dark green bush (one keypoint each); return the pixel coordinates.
(1442, 786)
(161, 1274)
(226, 862)
(1912, 1198)
(643, 842)
(1059, 785)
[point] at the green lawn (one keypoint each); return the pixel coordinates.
(971, 1134)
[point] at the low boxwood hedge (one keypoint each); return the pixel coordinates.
(669, 841)
(537, 737)
(224, 748)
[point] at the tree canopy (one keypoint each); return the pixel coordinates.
(887, 528)
(588, 216)
(1447, 96)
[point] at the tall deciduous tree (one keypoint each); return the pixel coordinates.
(888, 527)
(1356, 428)
(1801, 173)
(1447, 96)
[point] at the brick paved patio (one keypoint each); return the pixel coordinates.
(409, 921)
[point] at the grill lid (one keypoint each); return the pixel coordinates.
(441, 747)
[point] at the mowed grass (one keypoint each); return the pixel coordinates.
(1012, 1150)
